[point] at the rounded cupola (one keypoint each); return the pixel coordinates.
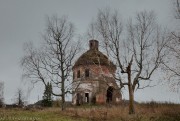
(93, 56)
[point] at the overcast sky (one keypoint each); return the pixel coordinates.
(24, 20)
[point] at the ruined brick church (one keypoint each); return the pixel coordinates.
(93, 80)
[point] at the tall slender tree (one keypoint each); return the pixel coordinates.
(138, 48)
(53, 61)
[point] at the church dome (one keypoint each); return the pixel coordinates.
(94, 57)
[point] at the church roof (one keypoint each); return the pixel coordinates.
(94, 57)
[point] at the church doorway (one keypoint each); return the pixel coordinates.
(87, 97)
(109, 95)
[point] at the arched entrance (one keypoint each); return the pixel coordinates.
(109, 94)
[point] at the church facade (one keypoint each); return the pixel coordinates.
(93, 78)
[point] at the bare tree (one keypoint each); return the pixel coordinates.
(1, 94)
(137, 55)
(19, 97)
(53, 62)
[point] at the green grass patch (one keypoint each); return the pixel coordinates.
(144, 112)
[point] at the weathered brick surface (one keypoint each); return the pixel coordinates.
(99, 80)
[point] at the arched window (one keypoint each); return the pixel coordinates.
(87, 73)
(78, 74)
(109, 94)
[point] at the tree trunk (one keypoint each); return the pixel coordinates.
(62, 83)
(131, 100)
(63, 97)
(62, 87)
(130, 88)
(63, 103)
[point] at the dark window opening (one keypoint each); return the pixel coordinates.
(78, 74)
(91, 44)
(109, 94)
(87, 97)
(87, 73)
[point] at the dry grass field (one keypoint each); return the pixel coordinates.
(144, 112)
